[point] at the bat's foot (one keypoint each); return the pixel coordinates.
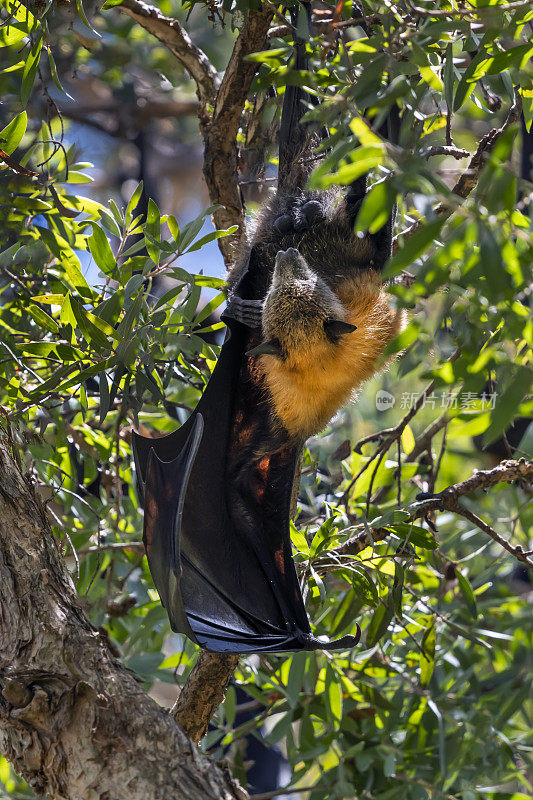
(302, 216)
(247, 312)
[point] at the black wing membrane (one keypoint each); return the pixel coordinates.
(216, 527)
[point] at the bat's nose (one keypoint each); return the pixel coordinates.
(290, 264)
(290, 252)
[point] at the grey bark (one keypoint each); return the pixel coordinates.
(73, 721)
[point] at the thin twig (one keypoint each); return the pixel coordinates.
(441, 454)
(444, 150)
(517, 551)
(470, 176)
(467, 12)
(114, 546)
(424, 440)
(279, 792)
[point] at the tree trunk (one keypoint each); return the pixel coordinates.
(73, 721)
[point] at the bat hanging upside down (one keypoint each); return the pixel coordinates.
(325, 320)
(308, 321)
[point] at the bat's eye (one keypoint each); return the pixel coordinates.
(271, 347)
(335, 328)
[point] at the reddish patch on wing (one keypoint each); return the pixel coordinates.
(261, 471)
(280, 561)
(150, 522)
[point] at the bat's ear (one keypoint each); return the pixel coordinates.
(270, 348)
(335, 328)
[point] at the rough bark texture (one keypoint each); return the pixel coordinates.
(203, 692)
(73, 721)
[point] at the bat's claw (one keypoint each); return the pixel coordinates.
(247, 312)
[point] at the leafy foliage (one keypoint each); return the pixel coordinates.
(434, 703)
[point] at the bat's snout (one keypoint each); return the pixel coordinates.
(290, 265)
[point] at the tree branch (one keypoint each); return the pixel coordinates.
(220, 160)
(203, 692)
(327, 25)
(468, 181)
(170, 33)
(73, 721)
(506, 472)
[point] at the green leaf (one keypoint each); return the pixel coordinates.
(507, 404)
(296, 677)
(379, 622)
(276, 54)
(513, 57)
(363, 585)
(104, 396)
(413, 246)
(109, 223)
(190, 231)
(66, 316)
(468, 593)
(43, 319)
(427, 658)
(117, 216)
(333, 694)
(210, 237)
(397, 589)
(415, 534)
(376, 208)
(230, 705)
(30, 71)
(467, 82)
(174, 228)
(83, 17)
(11, 135)
(91, 333)
(408, 439)
(153, 228)
(209, 307)
(101, 251)
(134, 283)
(364, 159)
(11, 34)
(299, 540)
(319, 584)
(133, 203)
(55, 78)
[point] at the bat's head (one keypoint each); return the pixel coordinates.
(302, 317)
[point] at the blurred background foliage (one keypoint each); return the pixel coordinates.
(109, 303)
